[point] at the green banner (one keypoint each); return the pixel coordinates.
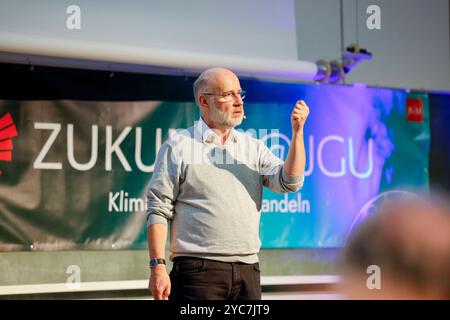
(79, 172)
(74, 174)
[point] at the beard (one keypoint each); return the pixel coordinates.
(225, 119)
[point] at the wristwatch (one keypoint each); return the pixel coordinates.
(154, 262)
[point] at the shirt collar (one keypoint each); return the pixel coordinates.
(209, 136)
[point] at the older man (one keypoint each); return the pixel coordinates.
(214, 206)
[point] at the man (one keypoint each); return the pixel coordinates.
(214, 206)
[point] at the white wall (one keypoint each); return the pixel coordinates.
(262, 28)
(413, 47)
(411, 50)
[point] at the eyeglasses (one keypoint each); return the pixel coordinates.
(228, 96)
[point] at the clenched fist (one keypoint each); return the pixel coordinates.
(299, 116)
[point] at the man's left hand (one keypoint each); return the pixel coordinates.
(299, 116)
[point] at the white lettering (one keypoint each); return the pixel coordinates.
(38, 164)
(73, 22)
(115, 148)
(73, 281)
(120, 202)
(320, 160)
(138, 150)
(286, 206)
(197, 310)
(352, 161)
(374, 281)
(374, 20)
(70, 149)
(193, 151)
(310, 157)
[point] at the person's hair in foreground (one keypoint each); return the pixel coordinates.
(408, 242)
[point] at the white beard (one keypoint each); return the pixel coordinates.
(224, 119)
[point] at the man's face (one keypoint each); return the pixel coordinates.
(226, 105)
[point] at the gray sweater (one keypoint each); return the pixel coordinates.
(212, 193)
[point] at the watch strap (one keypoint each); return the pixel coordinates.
(154, 262)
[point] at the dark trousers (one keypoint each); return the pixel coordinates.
(201, 279)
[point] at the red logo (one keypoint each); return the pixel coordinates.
(414, 110)
(7, 131)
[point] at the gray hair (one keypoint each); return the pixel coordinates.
(204, 80)
(200, 84)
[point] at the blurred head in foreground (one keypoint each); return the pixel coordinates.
(403, 252)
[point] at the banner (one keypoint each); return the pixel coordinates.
(363, 146)
(74, 174)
